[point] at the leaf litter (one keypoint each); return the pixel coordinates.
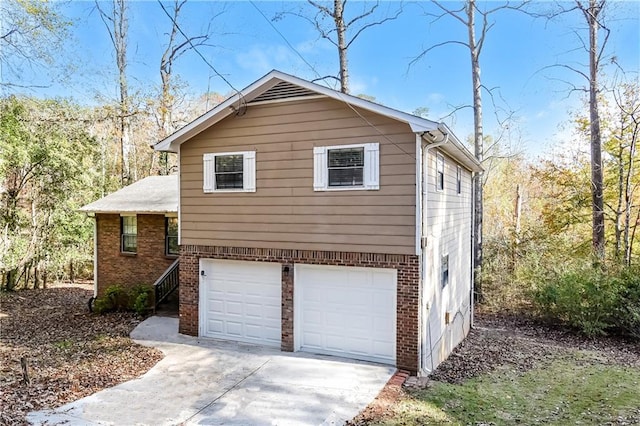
(69, 352)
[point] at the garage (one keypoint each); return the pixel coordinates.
(346, 311)
(241, 301)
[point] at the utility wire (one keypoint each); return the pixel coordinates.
(411, 155)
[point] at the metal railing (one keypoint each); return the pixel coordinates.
(167, 283)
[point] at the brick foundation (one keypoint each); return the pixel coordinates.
(407, 266)
(129, 270)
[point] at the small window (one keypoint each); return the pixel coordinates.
(230, 172)
(346, 167)
(129, 234)
(439, 172)
(444, 270)
(459, 180)
(171, 236)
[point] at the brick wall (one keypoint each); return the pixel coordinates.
(408, 297)
(129, 270)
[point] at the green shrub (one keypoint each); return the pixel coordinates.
(116, 298)
(142, 298)
(593, 300)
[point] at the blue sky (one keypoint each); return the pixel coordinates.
(517, 50)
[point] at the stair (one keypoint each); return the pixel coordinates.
(167, 283)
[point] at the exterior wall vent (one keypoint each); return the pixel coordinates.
(284, 90)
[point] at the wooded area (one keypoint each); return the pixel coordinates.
(552, 234)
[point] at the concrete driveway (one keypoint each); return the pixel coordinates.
(212, 382)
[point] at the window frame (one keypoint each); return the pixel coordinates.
(123, 234)
(444, 270)
(248, 171)
(458, 180)
(370, 173)
(167, 237)
(439, 175)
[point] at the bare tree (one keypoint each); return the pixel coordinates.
(177, 44)
(342, 31)
(477, 31)
(117, 24)
(593, 11)
(592, 14)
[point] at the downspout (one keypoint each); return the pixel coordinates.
(423, 198)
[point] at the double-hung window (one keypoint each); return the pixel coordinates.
(128, 234)
(171, 236)
(230, 172)
(346, 167)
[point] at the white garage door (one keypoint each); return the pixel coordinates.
(241, 301)
(346, 311)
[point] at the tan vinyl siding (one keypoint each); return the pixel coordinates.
(285, 211)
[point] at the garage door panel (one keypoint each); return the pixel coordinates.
(346, 311)
(242, 301)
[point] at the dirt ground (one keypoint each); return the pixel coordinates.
(68, 352)
(505, 340)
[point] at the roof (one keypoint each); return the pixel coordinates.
(277, 85)
(154, 194)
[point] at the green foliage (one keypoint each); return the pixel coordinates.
(47, 170)
(138, 299)
(594, 300)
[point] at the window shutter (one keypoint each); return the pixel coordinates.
(320, 172)
(209, 173)
(372, 166)
(249, 171)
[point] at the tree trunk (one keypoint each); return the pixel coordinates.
(478, 151)
(342, 45)
(598, 240)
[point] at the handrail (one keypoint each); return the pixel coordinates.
(167, 283)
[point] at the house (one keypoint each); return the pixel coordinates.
(312, 220)
(135, 233)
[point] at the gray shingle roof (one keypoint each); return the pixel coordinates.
(154, 194)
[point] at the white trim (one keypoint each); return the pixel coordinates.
(419, 171)
(95, 256)
(202, 317)
(179, 200)
(248, 172)
(370, 173)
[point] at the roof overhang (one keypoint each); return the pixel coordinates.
(254, 92)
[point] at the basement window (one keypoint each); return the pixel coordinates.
(128, 234)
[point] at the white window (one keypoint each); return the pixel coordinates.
(230, 172)
(439, 172)
(459, 180)
(346, 167)
(128, 234)
(444, 270)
